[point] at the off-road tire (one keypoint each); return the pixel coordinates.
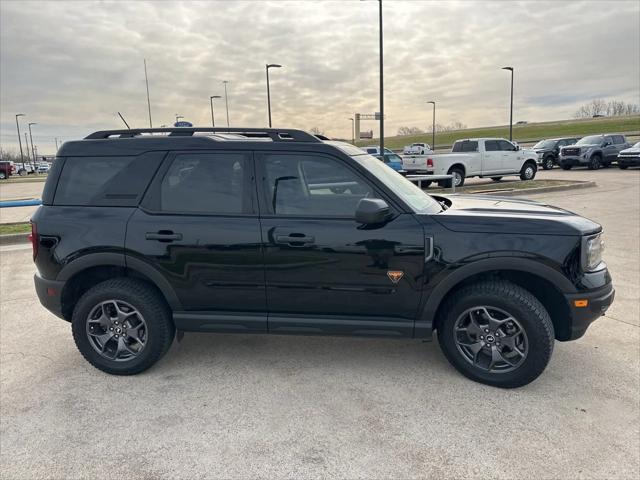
(159, 325)
(523, 306)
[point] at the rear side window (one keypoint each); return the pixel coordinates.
(466, 146)
(106, 181)
(205, 184)
(618, 139)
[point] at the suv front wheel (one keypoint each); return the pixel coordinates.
(496, 333)
(122, 326)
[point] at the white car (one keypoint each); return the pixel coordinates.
(417, 149)
(485, 157)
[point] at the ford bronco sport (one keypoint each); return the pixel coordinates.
(145, 234)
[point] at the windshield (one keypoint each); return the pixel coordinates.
(591, 140)
(419, 201)
(545, 144)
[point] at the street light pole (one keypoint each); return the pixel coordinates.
(353, 131)
(146, 80)
(19, 139)
(56, 138)
(31, 137)
(433, 127)
(511, 114)
(26, 142)
(381, 83)
(226, 99)
(267, 67)
(213, 122)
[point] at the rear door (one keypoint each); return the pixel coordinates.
(325, 273)
(198, 228)
(610, 152)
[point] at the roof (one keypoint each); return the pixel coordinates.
(139, 140)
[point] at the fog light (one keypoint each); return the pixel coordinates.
(581, 303)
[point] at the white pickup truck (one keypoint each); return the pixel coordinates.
(485, 157)
(417, 149)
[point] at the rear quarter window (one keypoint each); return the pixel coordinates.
(465, 146)
(106, 181)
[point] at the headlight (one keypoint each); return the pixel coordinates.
(592, 248)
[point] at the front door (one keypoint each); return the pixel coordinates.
(324, 272)
(491, 157)
(198, 227)
(511, 157)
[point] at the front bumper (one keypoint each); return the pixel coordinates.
(597, 303)
(50, 294)
(629, 161)
(573, 160)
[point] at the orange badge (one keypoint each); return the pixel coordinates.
(395, 275)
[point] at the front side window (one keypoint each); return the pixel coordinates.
(204, 183)
(506, 146)
(311, 185)
(491, 146)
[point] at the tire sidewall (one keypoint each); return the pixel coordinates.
(529, 166)
(547, 163)
(457, 173)
(538, 337)
(154, 318)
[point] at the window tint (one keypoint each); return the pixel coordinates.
(506, 146)
(618, 139)
(312, 185)
(102, 181)
(465, 146)
(204, 183)
(491, 146)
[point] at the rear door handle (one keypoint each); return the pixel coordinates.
(295, 239)
(163, 236)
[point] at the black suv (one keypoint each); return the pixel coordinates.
(548, 150)
(145, 233)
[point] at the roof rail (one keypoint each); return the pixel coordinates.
(276, 134)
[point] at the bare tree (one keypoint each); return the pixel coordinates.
(409, 131)
(316, 131)
(612, 108)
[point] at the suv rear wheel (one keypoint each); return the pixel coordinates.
(496, 333)
(547, 162)
(122, 326)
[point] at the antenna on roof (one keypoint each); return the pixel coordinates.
(125, 122)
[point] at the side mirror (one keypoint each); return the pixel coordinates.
(517, 148)
(371, 211)
(606, 144)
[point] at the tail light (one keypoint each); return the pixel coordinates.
(33, 238)
(429, 162)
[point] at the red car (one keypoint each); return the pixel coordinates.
(6, 169)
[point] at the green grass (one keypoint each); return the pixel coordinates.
(9, 228)
(522, 133)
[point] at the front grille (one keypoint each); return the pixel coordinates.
(571, 151)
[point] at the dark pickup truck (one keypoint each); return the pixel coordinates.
(145, 234)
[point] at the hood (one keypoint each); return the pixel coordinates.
(489, 214)
(632, 150)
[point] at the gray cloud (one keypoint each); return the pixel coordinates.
(72, 65)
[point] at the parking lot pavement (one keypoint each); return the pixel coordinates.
(272, 407)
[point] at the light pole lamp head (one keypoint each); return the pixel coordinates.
(431, 101)
(507, 68)
(215, 96)
(32, 123)
(273, 65)
(20, 115)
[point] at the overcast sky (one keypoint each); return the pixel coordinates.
(71, 66)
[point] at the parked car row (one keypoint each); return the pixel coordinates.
(593, 151)
(8, 168)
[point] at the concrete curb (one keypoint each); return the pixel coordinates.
(13, 238)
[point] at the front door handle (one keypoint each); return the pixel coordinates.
(295, 239)
(163, 236)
